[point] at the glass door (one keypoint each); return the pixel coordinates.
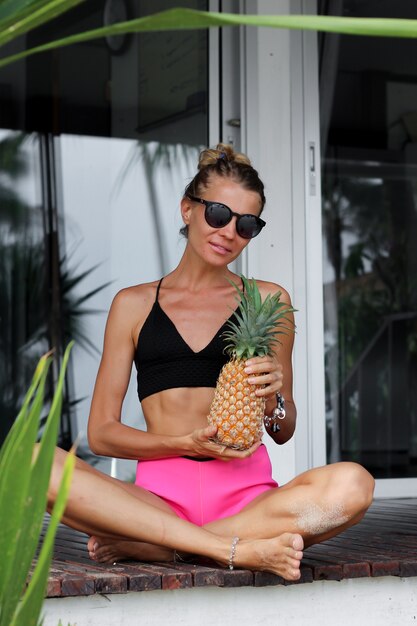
(368, 123)
(93, 165)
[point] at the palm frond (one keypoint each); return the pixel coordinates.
(190, 19)
(18, 17)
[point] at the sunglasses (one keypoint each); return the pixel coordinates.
(218, 215)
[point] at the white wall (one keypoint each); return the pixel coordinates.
(372, 601)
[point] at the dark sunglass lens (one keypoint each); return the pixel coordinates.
(248, 226)
(217, 215)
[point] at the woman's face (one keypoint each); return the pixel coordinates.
(219, 246)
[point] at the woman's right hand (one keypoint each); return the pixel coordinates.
(202, 445)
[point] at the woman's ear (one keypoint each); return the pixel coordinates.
(186, 208)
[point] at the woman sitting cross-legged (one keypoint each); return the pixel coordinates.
(194, 494)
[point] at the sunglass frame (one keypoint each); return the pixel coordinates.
(208, 203)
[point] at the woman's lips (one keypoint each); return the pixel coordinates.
(218, 248)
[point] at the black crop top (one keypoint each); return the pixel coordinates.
(164, 360)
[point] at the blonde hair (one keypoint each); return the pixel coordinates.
(210, 156)
(223, 162)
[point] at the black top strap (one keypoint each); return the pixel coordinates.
(158, 288)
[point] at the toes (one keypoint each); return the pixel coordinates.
(295, 545)
(294, 574)
(99, 551)
(104, 555)
(92, 544)
(298, 542)
(105, 559)
(294, 554)
(94, 549)
(294, 564)
(292, 545)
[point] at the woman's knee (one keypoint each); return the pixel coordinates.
(354, 485)
(56, 474)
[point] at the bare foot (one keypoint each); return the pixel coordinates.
(281, 555)
(108, 550)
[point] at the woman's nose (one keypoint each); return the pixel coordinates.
(230, 229)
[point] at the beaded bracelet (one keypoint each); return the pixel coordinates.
(235, 541)
(271, 421)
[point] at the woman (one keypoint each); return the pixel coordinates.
(193, 495)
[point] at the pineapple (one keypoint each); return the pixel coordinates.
(236, 410)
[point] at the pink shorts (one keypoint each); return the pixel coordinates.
(204, 491)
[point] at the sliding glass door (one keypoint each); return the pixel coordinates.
(97, 143)
(368, 119)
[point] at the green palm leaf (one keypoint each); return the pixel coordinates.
(186, 19)
(23, 489)
(18, 17)
(258, 322)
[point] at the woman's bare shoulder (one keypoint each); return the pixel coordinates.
(266, 287)
(136, 295)
(131, 305)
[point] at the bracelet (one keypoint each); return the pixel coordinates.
(235, 541)
(278, 413)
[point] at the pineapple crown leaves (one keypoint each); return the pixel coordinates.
(258, 322)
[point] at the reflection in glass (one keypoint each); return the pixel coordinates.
(126, 224)
(38, 304)
(90, 199)
(369, 205)
(371, 318)
(93, 164)
(22, 297)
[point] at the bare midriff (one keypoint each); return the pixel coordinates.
(177, 411)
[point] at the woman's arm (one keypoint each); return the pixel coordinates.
(107, 436)
(276, 371)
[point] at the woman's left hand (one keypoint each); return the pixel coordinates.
(266, 372)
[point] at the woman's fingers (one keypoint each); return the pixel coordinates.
(265, 379)
(265, 372)
(204, 446)
(262, 364)
(208, 432)
(230, 453)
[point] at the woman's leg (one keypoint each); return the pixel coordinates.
(104, 507)
(318, 504)
(108, 549)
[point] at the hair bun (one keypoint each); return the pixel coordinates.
(223, 152)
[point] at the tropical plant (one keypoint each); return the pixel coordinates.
(24, 479)
(18, 17)
(25, 294)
